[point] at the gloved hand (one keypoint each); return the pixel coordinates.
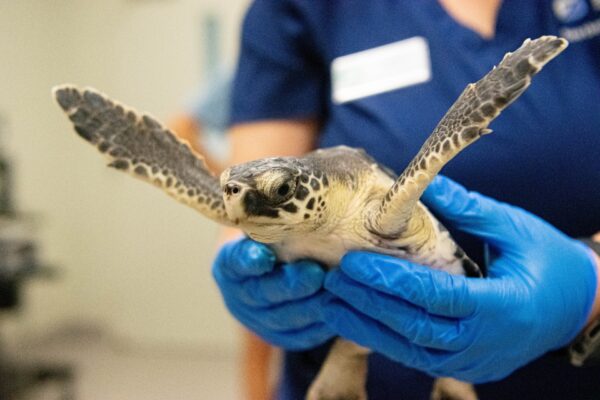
(280, 303)
(537, 297)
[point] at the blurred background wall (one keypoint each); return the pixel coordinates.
(132, 261)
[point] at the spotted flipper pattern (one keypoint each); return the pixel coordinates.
(465, 122)
(139, 145)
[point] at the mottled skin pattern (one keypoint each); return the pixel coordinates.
(323, 204)
(465, 122)
(138, 144)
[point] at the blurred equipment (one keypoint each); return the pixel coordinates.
(18, 262)
(6, 207)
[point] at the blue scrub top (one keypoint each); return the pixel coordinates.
(544, 154)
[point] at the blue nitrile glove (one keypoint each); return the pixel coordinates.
(280, 303)
(537, 297)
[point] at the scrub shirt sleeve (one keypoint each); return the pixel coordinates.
(279, 75)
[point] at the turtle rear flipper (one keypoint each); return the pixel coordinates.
(136, 143)
(465, 122)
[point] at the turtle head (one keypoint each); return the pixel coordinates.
(271, 198)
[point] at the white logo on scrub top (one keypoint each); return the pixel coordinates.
(380, 69)
(570, 10)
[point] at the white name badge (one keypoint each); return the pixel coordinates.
(380, 69)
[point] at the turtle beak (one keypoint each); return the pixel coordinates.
(233, 195)
(232, 189)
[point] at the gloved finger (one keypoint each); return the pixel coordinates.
(298, 338)
(244, 258)
(474, 213)
(438, 292)
(412, 322)
(365, 331)
(291, 282)
(279, 318)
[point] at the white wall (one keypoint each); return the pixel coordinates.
(132, 258)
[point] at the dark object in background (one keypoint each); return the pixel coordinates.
(18, 262)
(9, 293)
(6, 204)
(5, 186)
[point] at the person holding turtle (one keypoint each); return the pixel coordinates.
(307, 78)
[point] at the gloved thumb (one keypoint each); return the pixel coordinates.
(473, 213)
(244, 258)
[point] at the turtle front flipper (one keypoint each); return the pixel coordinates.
(465, 122)
(136, 143)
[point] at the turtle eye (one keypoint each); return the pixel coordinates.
(283, 191)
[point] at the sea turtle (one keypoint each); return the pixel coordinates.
(322, 204)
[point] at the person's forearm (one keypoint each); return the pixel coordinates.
(258, 385)
(251, 141)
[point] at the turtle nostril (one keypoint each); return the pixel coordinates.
(232, 188)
